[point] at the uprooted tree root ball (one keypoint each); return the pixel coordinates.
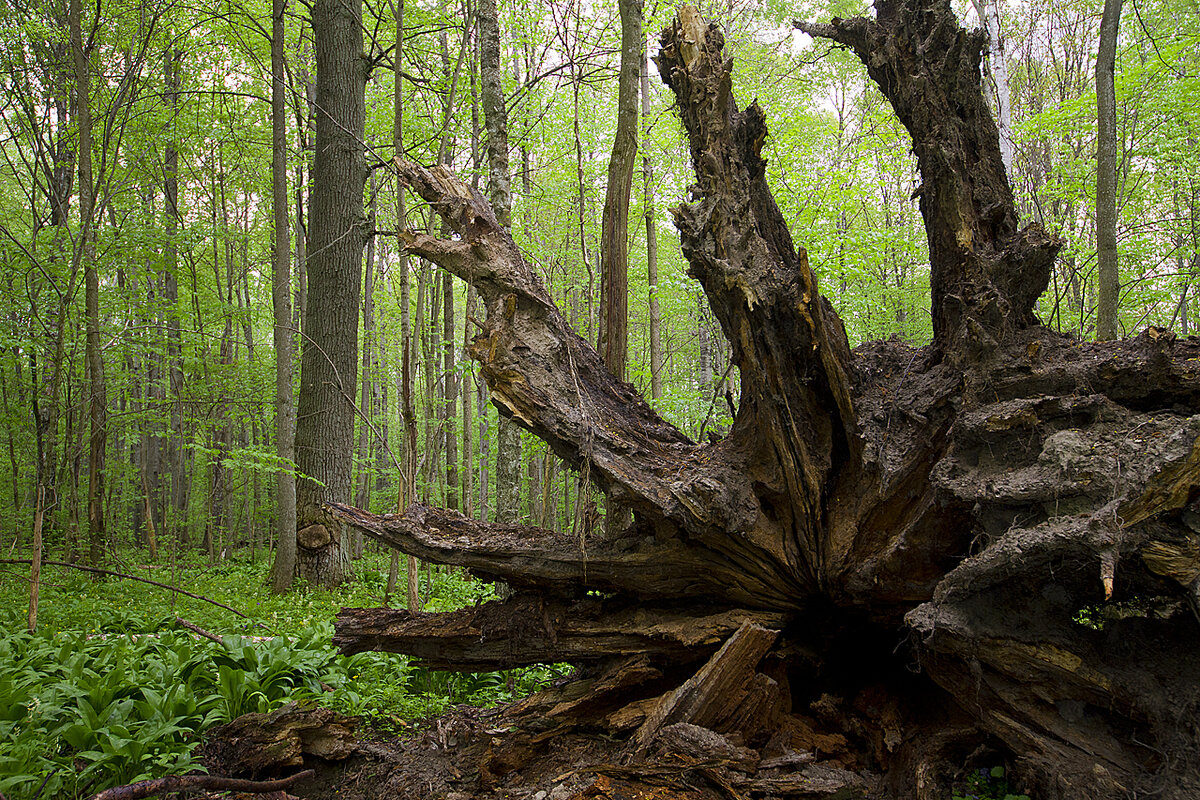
(874, 579)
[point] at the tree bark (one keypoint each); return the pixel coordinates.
(922, 525)
(283, 569)
(655, 321)
(495, 118)
(986, 273)
(1108, 280)
(85, 254)
(614, 235)
(329, 358)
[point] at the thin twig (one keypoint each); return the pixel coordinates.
(196, 629)
(99, 571)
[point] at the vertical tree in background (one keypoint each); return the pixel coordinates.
(651, 234)
(174, 444)
(408, 480)
(614, 236)
(329, 357)
(97, 393)
(284, 568)
(996, 70)
(614, 233)
(495, 120)
(367, 424)
(1106, 173)
(449, 398)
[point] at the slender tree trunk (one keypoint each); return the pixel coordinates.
(468, 466)
(651, 234)
(495, 116)
(408, 478)
(449, 398)
(305, 110)
(218, 522)
(996, 71)
(1108, 281)
(35, 568)
(329, 359)
(428, 370)
(97, 395)
(175, 519)
(614, 236)
(283, 569)
(367, 380)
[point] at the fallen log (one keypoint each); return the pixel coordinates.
(529, 629)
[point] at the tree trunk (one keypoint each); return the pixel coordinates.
(901, 538)
(85, 253)
(495, 119)
(366, 407)
(996, 73)
(651, 234)
(329, 359)
(614, 228)
(614, 235)
(283, 569)
(1108, 280)
(408, 478)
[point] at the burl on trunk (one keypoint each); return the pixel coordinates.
(888, 553)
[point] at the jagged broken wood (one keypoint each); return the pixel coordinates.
(948, 510)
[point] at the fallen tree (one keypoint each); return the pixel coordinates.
(888, 553)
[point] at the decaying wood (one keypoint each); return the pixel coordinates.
(713, 696)
(267, 744)
(212, 783)
(925, 526)
(986, 273)
(529, 629)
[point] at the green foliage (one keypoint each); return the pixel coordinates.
(84, 713)
(988, 784)
(110, 691)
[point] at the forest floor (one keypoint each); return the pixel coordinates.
(470, 753)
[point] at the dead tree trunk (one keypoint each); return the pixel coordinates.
(921, 526)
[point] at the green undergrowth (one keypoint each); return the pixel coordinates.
(111, 690)
(988, 784)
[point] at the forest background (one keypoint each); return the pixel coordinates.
(176, 234)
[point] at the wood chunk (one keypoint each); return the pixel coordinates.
(607, 690)
(715, 693)
(267, 744)
(816, 782)
(631, 716)
(698, 744)
(758, 714)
